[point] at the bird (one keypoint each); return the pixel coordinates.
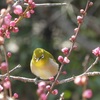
(43, 64)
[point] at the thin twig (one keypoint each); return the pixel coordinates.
(97, 59)
(48, 4)
(61, 96)
(70, 50)
(34, 80)
(95, 73)
(4, 75)
(6, 58)
(24, 79)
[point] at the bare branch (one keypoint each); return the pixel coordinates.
(48, 4)
(95, 73)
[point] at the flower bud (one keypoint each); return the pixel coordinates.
(60, 59)
(65, 50)
(7, 84)
(18, 9)
(4, 66)
(41, 84)
(79, 19)
(82, 11)
(48, 87)
(72, 39)
(15, 95)
(87, 93)
(55, 92)
(66, 60)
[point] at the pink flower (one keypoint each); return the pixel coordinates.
(40, 91)
(79, 19)
(4, 66)
(42, 84)
(55, 92)
(48, 87)
(51, 78)
(64, 72)
(28, 15)
(15, 29)
(7, 20)
(65, 50)
(87, 93)
(96, 51)
(60, 59)
(12, 23)
(80, 80)
(43, 97)
(7, 84)
(15, 95)
(18, 10)
(66, 60)
(9, 54)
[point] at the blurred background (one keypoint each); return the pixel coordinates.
(50, 28)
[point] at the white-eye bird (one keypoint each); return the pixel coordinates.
(43, 64)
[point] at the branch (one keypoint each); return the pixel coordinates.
(95, 62)
(95, 73)
(48, 4)
(34, 80)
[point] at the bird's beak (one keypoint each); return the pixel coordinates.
(38, 59)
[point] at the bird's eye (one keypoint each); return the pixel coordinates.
(42, 56)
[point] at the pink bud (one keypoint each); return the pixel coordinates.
(9, 54)
(7, 34)
(55, 92)
(9, 16)
(77, 80)
(51, 78)
(4, 66)
(7, 20)
(72, 39)
(96, 51)
(43, 97)
(1, 88)
(4, 26)
(15, 95)
(28, 15)
(7, 84)
(60, 59)
(40, 91)
(30, 1)
(87, 93)
(76, 30)
(32, 11)
(66, 60)
(6, 79)
(91, 4)
(79, 19)
(64, 72)
(12, 23)
(32, 5)
(48, 87)
(65, 50)
(15, 29)
(84, 79)
(41, 84)
(82, 11)
(18, 9)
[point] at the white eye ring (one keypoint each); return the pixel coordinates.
(42, 56)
